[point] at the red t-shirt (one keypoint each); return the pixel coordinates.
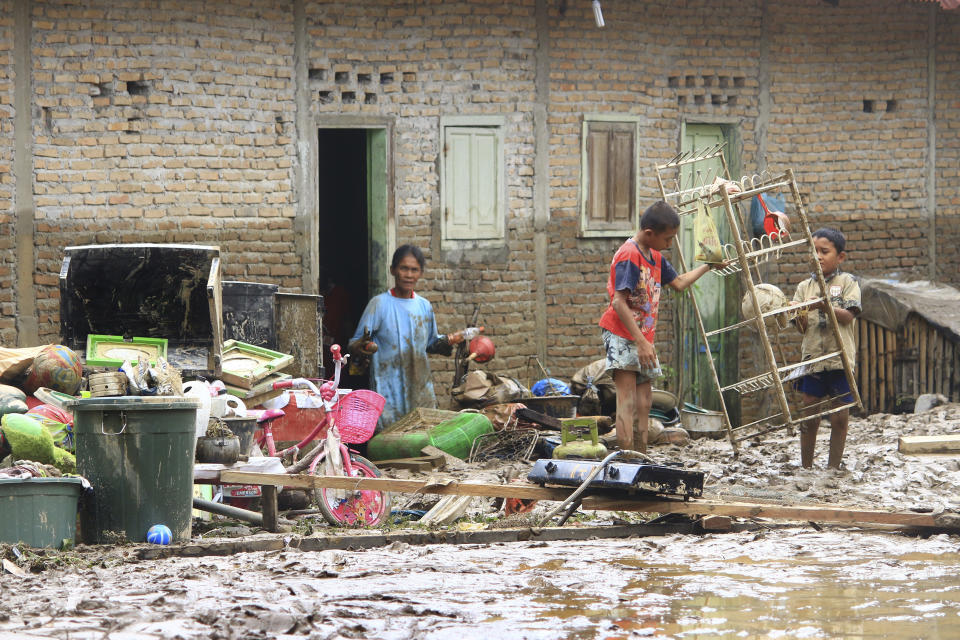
(642, 277)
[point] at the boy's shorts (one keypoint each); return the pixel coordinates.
(825, 383)
(622, 355)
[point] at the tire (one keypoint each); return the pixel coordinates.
(354, 508)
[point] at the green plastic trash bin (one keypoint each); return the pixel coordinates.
(40, 512)
(137, 452)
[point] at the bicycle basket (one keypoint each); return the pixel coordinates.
(357, 415)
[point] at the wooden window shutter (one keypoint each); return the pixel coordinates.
(611, 162)
(472, 183)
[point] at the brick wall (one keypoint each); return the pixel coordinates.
(948, 148)
(8, 335)
(427, 60)
(153, 128)
(155, 122)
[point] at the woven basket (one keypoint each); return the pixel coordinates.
(419, 419)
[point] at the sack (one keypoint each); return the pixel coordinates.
(480, 388)
(706, 236)
(595, 386)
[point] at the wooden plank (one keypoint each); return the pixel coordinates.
(922, 350)
(863, 363)
(268, 506)
(450, 461)
(891, 342)
(871, 365)
(815, 512)
(803, 513)
(881, 370)
(409, 464)
(538, 418)
(929, 444)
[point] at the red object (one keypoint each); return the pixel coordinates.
(772, 225)
(357, 414)
(483, 347)
(52, 413)
(518, 505)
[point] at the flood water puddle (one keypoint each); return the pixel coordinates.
(793, 583)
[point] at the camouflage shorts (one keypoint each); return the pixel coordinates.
(622, 355)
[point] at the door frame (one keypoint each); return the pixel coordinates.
(381, 200)
(728, 364)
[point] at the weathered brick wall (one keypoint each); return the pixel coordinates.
(948, 148)
(427, 60)
(154, 128)
(653, 63)
(8, 334)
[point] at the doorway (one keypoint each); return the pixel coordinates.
(352, 224)
(717, 296)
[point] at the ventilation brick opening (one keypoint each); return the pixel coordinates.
(348, 97)
(138, 87)
(868, 106)
(317, 74)
(341, 77)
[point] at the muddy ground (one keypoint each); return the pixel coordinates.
(530, 589)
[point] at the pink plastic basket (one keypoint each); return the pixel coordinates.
(357, 415)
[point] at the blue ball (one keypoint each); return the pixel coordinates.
(159, 534)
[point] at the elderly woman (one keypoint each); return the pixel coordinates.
(396, 332)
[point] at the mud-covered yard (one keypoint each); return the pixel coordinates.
(766, 579)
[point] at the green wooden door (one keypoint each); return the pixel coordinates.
(378, 249)
(716, 295)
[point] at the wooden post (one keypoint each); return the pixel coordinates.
(268, 506)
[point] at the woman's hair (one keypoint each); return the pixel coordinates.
(408, 250)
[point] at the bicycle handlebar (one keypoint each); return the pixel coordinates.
(303, 383)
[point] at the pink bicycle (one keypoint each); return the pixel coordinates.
(350, 419)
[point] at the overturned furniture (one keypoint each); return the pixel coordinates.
(698, 181)
(169, 291)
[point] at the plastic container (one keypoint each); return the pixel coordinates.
(137, 452)
(199, 389)
(40, 512)
(243, 428)
(456, 436)
(390, 446)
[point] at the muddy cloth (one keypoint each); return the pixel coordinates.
(403, 328)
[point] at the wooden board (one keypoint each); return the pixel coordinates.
(445, 486)
(929, 444)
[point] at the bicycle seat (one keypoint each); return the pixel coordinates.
(270, 414)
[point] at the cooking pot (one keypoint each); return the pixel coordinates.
(703, 423)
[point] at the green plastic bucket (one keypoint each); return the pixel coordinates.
(40, 512)
(390, 446)
(137, 452)
(456, 435)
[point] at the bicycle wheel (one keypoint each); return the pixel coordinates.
(354, 508)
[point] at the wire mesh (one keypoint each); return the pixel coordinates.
(516, 445)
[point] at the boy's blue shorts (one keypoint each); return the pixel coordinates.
(825, 383)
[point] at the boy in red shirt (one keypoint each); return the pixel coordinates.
(636, 275)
